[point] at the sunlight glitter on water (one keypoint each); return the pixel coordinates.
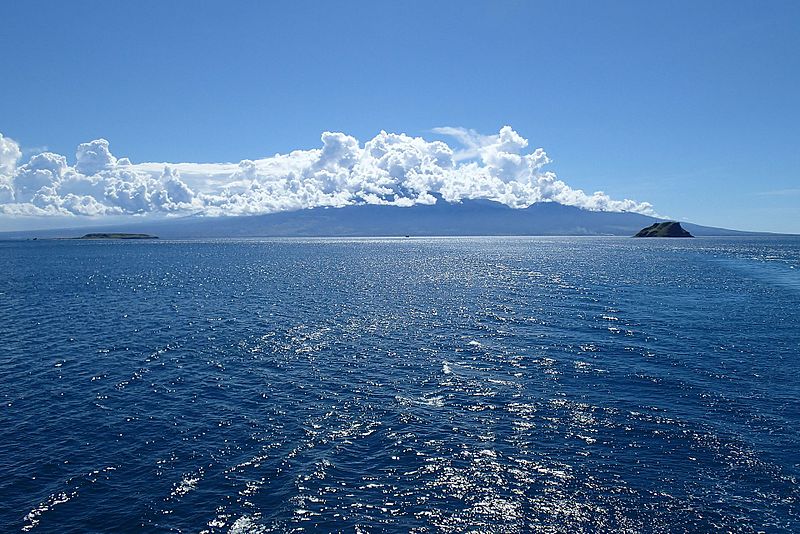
(429, 385)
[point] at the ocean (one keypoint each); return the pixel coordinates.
(400, 385)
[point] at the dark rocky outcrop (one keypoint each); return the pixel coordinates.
(664, 229)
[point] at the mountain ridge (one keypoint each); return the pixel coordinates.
(465, 218)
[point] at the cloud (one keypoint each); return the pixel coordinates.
(392, 169)
(9, 155)
(93, 157)
(780, 192)
(470, 140)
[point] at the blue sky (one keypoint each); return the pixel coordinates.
(690, 106)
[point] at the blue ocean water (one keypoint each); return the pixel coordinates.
(409, 385)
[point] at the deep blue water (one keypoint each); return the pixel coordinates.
(422, 385)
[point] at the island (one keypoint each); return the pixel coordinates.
(117, 236)
(664, 229)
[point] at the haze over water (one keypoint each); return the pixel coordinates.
(424, 385)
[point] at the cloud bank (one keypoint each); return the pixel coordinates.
(392, 169)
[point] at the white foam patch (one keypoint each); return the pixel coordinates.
(247, 525)
(33, 517)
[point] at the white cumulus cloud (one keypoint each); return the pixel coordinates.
(9, 155)
(392, 169)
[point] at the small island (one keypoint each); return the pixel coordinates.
(664, 229)
(117, 236)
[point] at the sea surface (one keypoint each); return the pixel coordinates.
(403, 385)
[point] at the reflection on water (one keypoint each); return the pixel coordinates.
(503, 385)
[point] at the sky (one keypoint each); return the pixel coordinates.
(688, 110)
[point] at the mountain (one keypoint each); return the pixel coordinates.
(466, 218)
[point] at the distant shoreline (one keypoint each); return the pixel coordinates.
(375, 237)
(117, 235)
